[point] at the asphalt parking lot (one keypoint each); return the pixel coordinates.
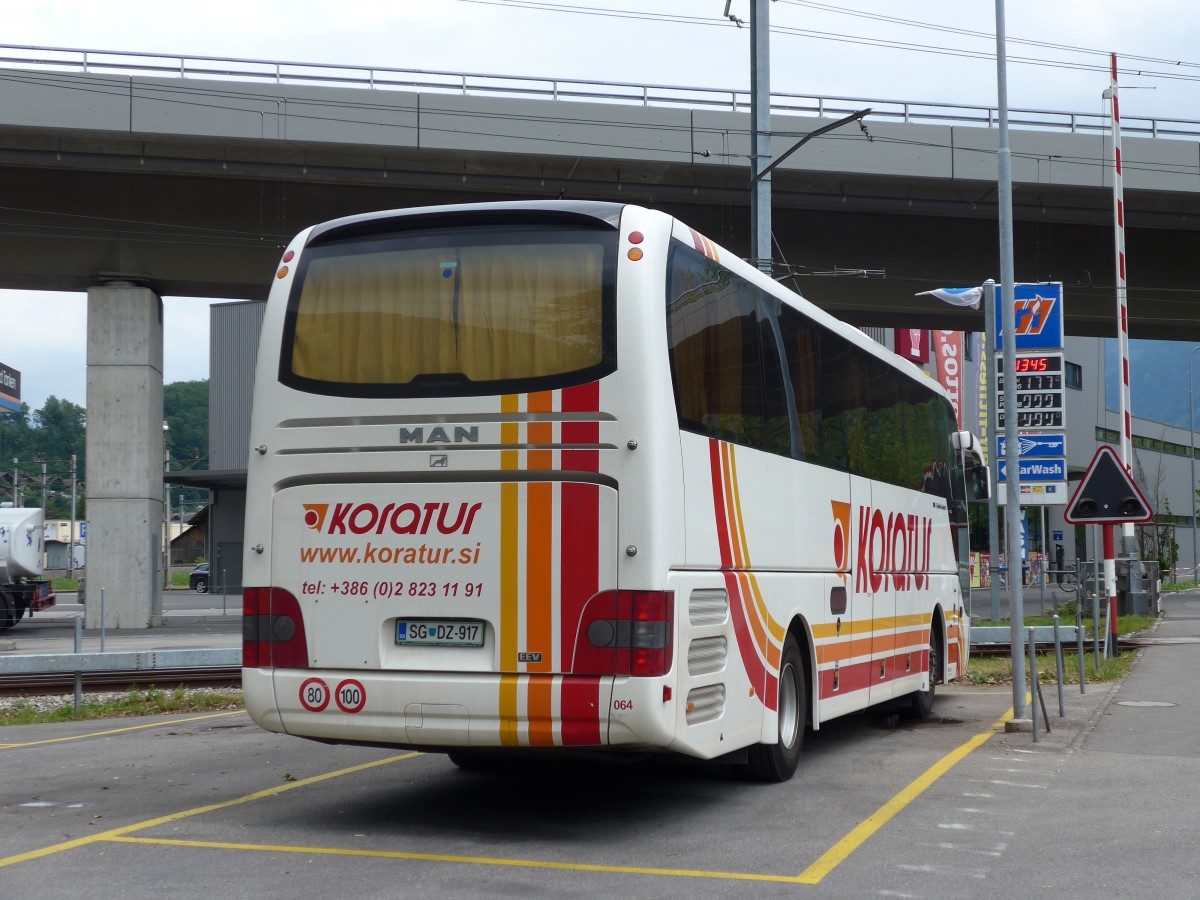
(211, 806)
(222, 808)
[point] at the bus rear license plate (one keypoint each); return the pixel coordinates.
(439, 632)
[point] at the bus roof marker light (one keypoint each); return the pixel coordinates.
(636, 237)
(635, 253)
(289, 256)
(282, 273)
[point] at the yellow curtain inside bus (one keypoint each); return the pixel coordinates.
(486, 312)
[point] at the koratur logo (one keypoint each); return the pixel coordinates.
(398, 518)
(841, 537)
(893, 551)
(314, 515)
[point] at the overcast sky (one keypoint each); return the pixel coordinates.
(933, 50)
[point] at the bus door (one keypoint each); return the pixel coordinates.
(842, 674)
(877, 620)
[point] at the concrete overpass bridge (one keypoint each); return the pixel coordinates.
(133, 176)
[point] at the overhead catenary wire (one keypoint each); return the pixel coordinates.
(815, 34)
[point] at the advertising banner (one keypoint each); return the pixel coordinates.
(948, 367)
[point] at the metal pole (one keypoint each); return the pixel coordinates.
(71, 564)
(1079, 640)
(1192, 461)
(1122, 292)
(103, 601)
(78, 672)
(1096, 596)
(1058, 664)
(988, 360)
(1110, 581)
(1033, 679)
(760, 144)
(1045, 563)
(43, 487)
(1012, 448)
(166, 557)
(16, 481)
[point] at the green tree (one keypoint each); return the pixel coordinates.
(60, 430)
(185, 407)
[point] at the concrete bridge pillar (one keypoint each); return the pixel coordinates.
(124, 455)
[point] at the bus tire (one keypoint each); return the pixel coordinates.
(476, 761)
(920, 703)
(8, 610)
(777, 762)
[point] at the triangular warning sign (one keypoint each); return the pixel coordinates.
(1107, 494)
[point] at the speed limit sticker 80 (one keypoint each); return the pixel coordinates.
(314, 695)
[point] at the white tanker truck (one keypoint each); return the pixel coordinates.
(22, 590)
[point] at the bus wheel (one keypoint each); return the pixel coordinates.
(8, 610)
(475, 761)
(778, 762)
(920, 703)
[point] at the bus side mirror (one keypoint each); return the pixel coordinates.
(981, 482)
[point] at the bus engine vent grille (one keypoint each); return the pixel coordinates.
(708, 607)
(705, 704)
(707, 655)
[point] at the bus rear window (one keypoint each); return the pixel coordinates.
(452, 311)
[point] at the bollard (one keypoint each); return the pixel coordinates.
(1033, 683)
(1079, 646)
(1058, 665)
(78, 673)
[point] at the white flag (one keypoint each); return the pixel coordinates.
(956, 296)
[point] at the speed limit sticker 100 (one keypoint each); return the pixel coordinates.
(350, 696)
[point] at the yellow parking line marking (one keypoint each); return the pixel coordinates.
(828, 861)
(175, 817)
(112, 731)
(473, 860)
(837, 854)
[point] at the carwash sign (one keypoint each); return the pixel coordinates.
(1037, 469)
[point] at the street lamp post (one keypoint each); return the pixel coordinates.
(1192, 460)
(166, 509)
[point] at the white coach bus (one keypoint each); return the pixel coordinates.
(570, 475)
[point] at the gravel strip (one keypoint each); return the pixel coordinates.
(49, 702)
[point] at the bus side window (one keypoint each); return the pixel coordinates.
(803, 368)
(844, 417)
(778, 420)
(716, 364)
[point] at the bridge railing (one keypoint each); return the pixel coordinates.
(108, 62)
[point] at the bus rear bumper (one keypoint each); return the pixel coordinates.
(407, 709)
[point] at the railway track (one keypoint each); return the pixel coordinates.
(166, 679)
(992, 650)
(231, 676)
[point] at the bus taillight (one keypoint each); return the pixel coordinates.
(626, 633)
(272, 630)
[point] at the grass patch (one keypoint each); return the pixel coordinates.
(64, 584)
(998, 669)
(1176, 586)
(135, 701)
